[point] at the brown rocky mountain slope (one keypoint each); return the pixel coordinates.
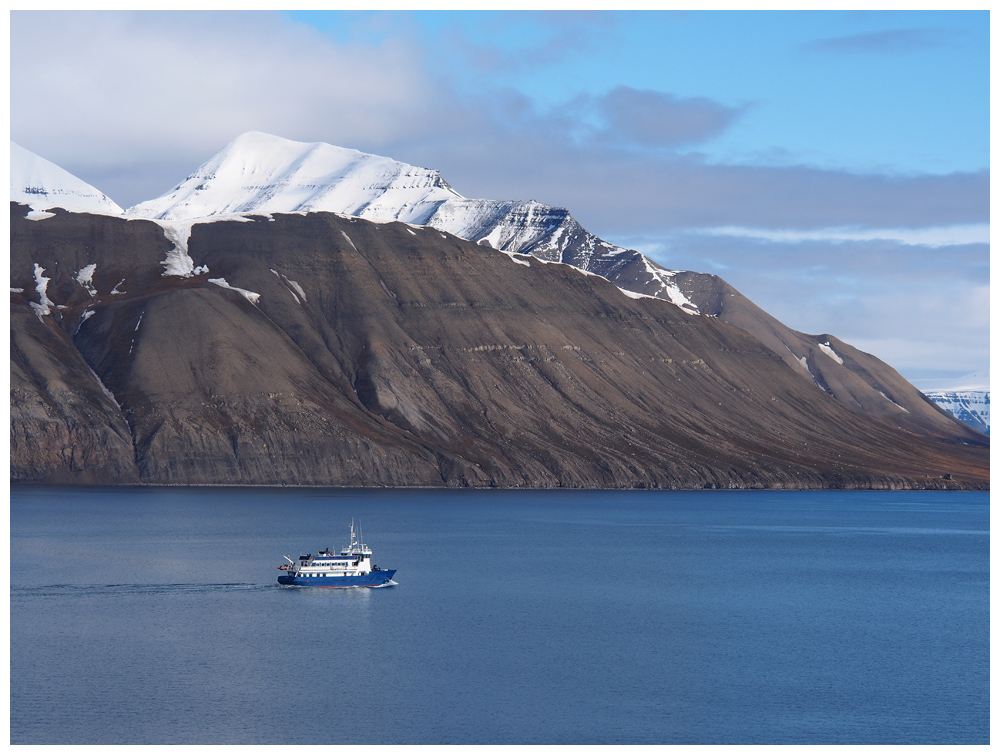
(861, 382)
(382, 354)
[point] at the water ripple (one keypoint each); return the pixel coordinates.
(89, 591)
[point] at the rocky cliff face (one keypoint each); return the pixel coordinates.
(65, 426)
(325, 350)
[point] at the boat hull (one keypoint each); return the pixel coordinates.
(371, 579)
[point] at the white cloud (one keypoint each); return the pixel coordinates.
(89, 88)
(916, 306)
(936, 236)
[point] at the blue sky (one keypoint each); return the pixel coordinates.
(854, 90)
(833, 166)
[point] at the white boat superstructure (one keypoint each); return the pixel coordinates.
(351, 567)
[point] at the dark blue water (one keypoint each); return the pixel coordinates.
(153, 616)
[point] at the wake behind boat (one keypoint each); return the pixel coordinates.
(351, 568)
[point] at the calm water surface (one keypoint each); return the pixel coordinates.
(153, 616)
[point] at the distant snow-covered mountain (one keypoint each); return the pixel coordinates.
(971, 407)
(43, 185)
(967, 398)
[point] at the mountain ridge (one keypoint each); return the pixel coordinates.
(178, 259)
(277, 167)
(378, 354)
(259, 173)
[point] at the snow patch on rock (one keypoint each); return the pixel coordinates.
(293, 287)
(85, 277)
(636, 294)
(250, 296)
(44, 305)
(893, 402)
(297, 287)
(342, 233)
(828, 350)
(178, 261)
(520, 259)
(665, 278)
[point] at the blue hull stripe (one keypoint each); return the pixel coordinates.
(372, 579)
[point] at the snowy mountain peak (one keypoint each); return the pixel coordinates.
(43, 185)
(259, 173)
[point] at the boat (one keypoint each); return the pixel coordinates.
(352, 567)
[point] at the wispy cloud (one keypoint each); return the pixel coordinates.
(890, 41)
(954, 235)
(912, 305)
(659, 119)
(514, 42)
(613, 190)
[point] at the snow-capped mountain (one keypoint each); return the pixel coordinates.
(258, 174)
(262, 174)
(967, 398)
(209, 298)
(43, 185)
